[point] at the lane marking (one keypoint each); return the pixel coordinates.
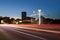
(29, 35)
(51, 31)
(58, 32)
(9, 28)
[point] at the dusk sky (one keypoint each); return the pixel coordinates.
(13, 8)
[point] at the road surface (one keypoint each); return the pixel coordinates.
(15, 33)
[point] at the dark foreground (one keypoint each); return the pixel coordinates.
(13, 33)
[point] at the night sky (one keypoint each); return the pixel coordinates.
(13, 8)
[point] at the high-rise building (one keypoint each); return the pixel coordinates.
(23, 15)
(26, 19)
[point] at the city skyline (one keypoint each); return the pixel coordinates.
(13, 8)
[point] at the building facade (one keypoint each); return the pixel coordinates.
(23, 15)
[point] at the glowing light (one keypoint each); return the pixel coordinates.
(39, 10)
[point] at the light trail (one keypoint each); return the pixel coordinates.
(36, 29)
(27, 34)
(19, 30)
(13, 29)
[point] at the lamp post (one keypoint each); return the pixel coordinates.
(39, 12)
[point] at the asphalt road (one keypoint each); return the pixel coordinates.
(13, 33)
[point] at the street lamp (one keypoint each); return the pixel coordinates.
(39, 12)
